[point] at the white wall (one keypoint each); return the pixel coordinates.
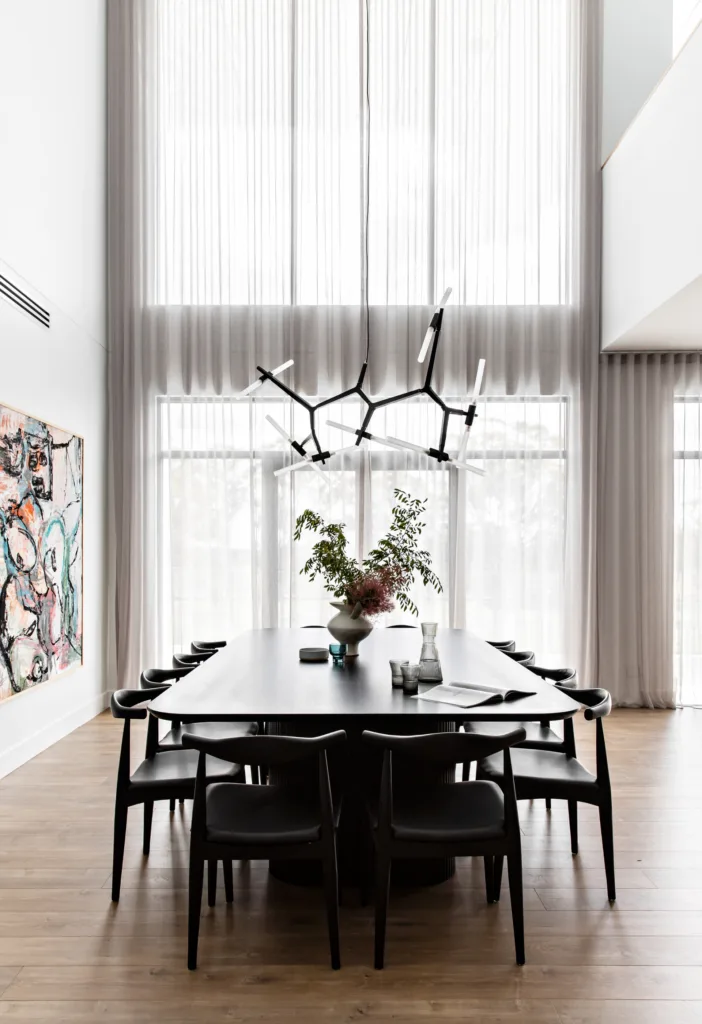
(652, 219)
(637, 47)
(52, 243)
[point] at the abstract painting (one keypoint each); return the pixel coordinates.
(41, 551)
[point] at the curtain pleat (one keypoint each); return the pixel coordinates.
(275, 163)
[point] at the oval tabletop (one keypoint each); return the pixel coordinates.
(258, 675)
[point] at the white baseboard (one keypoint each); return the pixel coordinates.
(28, 747)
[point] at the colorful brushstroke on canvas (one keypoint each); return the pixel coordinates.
(41, 551)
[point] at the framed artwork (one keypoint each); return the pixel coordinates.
(41, 551)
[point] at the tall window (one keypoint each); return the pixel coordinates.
(688, 549)
(274, 120)
(226, 553)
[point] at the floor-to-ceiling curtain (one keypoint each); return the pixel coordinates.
(291, 178)
(687, 529)
(635, 543)
(650, 529)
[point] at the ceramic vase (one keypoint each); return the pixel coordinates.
(349, 626)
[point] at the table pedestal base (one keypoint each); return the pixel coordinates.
(354, 773)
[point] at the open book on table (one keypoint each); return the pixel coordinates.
(470, 695)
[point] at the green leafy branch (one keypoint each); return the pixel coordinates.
(397, 555)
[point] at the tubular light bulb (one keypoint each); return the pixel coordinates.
(283, 366)
(445, 298)
(407, 444)
(463, 447)
(425, 344)
(340, 426)
(252, 387)
(478, 379)
(278, 427)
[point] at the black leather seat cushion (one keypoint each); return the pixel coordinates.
(449, 812)
(536, 733)
(173, 740)
(262, 815)
(537, 769)
(180, 767)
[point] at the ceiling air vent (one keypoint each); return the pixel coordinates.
(14, 294)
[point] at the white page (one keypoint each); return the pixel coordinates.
(462, 696)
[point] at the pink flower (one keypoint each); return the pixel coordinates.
(375, 591)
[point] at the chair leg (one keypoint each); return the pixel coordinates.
(331, 893)
(573, 820)
(228, 881)
(148, 815)
(516, 896)
(120, 833)
(197, 870)
(171, 805)
(548, 803)
(181, 801)
(607, 829)
(488, 864)
(497, 878)
(211, 882)
(382, 895)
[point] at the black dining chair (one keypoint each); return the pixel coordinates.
(549, 774)
(402, 625)
(525, 658)
(169, 775)
(539, 735)
(423, 816)
(173, 740)
(502, 645)
(281, 822)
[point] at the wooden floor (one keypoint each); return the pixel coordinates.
(68, 954)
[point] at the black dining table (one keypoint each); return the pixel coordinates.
(259, 676)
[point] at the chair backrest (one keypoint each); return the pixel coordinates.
(598, 704)
(127, 705)
(445, 748)
(521, 657)
(263, 750)
(503, 645)
(198, 646)
(191, 660)
(564, 677)
(154, 677)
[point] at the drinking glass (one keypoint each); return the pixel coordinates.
(410, 678)
(338, 653)
(396, 670)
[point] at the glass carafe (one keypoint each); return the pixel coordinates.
(429, 664)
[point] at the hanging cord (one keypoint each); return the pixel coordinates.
(367, 210)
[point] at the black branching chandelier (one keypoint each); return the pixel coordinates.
(316, 454)
(311, 452)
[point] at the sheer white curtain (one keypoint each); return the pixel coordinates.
(687, 470)
(288, 177)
